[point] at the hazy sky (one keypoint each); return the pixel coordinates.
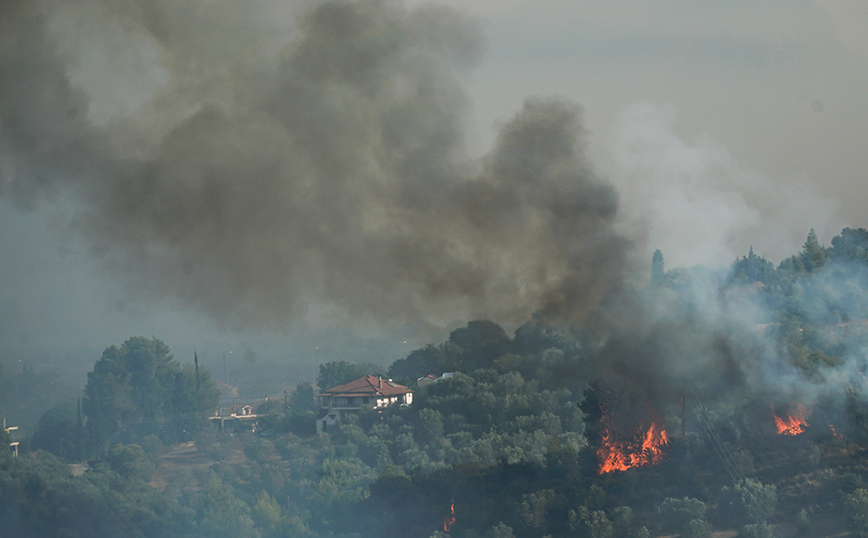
(721, 125)
(712, 119)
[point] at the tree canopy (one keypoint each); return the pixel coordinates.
(139, 389)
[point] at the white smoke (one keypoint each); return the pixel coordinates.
(696, 203)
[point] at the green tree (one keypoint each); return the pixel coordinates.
(803, 522)
(750, 501)
(266, 514)
(622, 520)
(302, 397)
(139, 389)
(757, 530)
(676, 513)
(538, 336)
(850, 245)
(334, 373)
(856, 507)
(592, 523)
(501, 530)
(753, 268)
(193, 398)
(534, 507)
(813, 256)
(57, 432)
(222, 514)
(657, 269)
(429, 428)
(430, 359)
(481, 343)
(5, 439)
(343, 482)
(696, 528)
(130, 461)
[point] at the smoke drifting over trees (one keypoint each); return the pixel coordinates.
(253, 172)
(263, 165)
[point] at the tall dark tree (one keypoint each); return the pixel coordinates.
(657, 269)
(79, 431)
(811, 258)
(813, 255)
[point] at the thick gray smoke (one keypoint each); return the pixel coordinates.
(253, 164)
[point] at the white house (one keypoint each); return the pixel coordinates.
(373, 391)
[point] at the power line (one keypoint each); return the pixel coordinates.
(757, 510)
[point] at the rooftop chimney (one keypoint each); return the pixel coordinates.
(379, 381)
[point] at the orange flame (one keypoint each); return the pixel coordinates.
(835, 434)
(620, 455)
(795, 423)
(449, 520)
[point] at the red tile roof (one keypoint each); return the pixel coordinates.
(370, 385)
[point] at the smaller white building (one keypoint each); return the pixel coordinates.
(431, 378)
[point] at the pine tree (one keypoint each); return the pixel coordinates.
(657, 270)
(813, 256)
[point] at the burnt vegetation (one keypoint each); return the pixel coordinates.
(756, 404)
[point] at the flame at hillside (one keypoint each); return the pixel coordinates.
(643, 449)
(794, 422)
(449, 520)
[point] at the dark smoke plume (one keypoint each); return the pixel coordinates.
(253, 168)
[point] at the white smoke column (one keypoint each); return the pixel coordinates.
(696, 203)
(692, 200)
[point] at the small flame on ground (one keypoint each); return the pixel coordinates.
(449, 520)
(620, 455)
(794, 423)
(835, 434)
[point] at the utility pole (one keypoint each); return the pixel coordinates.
(225, 375)
(14, 444)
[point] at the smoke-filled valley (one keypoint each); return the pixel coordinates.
(276, 169)
(706, 400)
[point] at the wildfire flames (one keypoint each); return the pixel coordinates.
(645, 448)
(794, 423)
(449, 520)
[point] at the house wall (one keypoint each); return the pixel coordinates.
(339, 405)
(328, 420)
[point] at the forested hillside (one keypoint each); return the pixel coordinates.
(712, 399)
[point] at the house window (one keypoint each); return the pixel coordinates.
(351, 401)
(366, 400)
